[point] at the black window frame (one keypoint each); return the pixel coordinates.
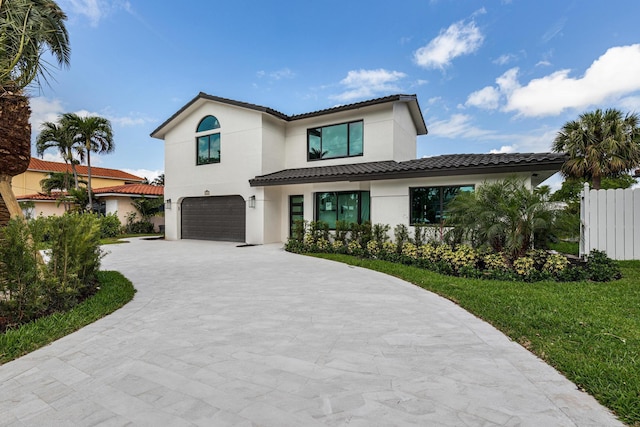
(441, 204)
(209, 134)
(316, 204)
(348, 142)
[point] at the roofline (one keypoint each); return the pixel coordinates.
(417, 173)
(149, 196)
(416, 112)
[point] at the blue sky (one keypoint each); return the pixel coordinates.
(490, 76)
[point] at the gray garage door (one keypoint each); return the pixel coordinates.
(214, 218)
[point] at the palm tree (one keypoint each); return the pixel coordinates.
(94, 135)
(159, 180)
(29, 29)
(54, 135)
(600, 144)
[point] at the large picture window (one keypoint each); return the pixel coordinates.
(429, 204)
(352, 207)
(329, 142)
(208, 144)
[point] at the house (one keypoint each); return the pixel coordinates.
(28, 182)
(114, 190)
(242, 172)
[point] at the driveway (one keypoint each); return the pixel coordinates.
(222, 335)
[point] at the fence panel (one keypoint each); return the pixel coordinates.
(610, 222)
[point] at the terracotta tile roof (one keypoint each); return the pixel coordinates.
(40, 197)
(45, 166)
(134, 189)
(445, 165)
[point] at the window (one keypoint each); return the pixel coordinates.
(329, 142)
(352, 207)
(429, 204)
(208, 145)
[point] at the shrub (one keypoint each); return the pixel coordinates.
(401, 234)
(601, 268)
(110, 225)
(31, 288)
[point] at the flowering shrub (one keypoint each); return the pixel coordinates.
(461, 260)
(524, 266)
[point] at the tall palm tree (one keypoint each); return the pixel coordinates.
(53, 135)
(600, 144)
(28, 29)
(95, 135)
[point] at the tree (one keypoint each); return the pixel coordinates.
(28, 30)
(600, 144)
(159, 180)
(505, 216)
(94, 134)
(53, 135)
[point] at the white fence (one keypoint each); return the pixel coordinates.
(610, 222)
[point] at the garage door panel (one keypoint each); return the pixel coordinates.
(214, 218)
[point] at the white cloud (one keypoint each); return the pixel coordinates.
(543, 63)
(369, 83)
(556, 29)
(630, 103)
(284, 73)
(94, 10)
(504, 59)
(457, 126)
(488, 97)
(459, 39)
(43, 110)
(145, 173)
(616, 73)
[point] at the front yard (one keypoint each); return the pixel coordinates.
(588, 331)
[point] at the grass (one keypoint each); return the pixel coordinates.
(571, 248)
(115, 291)
(588, 331)
(118, 239)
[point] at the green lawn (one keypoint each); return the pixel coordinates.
(115, 291)
(588, 331)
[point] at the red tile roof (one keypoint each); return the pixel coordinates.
(39, 197)
(135, 189)
(46, 166)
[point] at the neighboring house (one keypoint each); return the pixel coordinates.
(114, 190)
(241, 172)
(29, 181)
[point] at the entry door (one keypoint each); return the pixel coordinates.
(296, 211)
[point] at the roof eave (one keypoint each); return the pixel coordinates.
(552, 165)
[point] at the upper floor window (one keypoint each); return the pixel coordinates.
(429, 204)
(208, 145)
(330, 142)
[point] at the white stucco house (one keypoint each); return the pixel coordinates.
(242, 172)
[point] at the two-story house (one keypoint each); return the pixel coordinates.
(242, 172)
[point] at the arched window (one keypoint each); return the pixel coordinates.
(208, 145)
(208, 123)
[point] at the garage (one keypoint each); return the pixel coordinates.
(214, 218)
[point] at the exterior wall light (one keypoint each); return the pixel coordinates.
(252, 201)
(206, 192)
(167, 204)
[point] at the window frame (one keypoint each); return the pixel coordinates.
(316, 204)
(210, 134)
(348, 141)
(441, 204)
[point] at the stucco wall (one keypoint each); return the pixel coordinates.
(29, 182)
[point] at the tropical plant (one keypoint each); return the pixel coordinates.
(316, 153)
(94, 134)
(599, 144)
(503, 216)
(159, 180)
(54, 135)
(28, 30)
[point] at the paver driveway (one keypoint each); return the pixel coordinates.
(224, 335)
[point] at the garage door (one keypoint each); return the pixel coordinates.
(214, 218)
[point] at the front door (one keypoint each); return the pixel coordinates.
(296, 211)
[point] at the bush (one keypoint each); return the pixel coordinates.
(110, 226)
(601, 268)
(31, 288)
(460, 260)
